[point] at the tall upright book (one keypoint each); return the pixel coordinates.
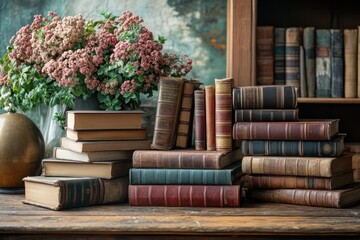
(279, 56)
(223, 114)
(303, 82)
(210, 117)
(167, 112)
(265, 55)
(350, 61)
(292, 56)
(309, 56)
(199, 119)
(337, 63)
(323, 67)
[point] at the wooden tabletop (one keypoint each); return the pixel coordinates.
(120, 220)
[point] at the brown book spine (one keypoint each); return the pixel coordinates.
(185, 195)
(357, 175)
(186, 113)
(167, 112)
(285, 130)
(199, 118)
(265, 55)
(356, 161)
(210, 117)
(223, 113)
(350, 62)
(292, 56)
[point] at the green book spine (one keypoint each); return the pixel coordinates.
(329, 148)
(337, 63)
(266, 115)
(323, 67)
(279, 56)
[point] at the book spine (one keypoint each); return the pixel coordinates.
(279, 56)
(337, 63)
(293, 148)
(356, 161)
(323, 67)
(319, 198)
(200, 120)
(223, 114)
(358, 62)
(149, 176)
(303, 82)
(350, 61)
(210, 117)
(266, 115)
(185, 119)
(291, 166)
(261, 97)
(283, 130)
(167, 112)
(310, 63)
(265, 55)
(292, 56)
(357, 175)
(185, 195)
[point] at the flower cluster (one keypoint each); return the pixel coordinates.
(116, 58)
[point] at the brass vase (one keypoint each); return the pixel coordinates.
(21, 150)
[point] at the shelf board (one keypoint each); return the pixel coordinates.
(329, 100)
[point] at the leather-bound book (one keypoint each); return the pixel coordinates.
(292, 56)
(303, 82)
(309, 57)
(266, 115)
(185, 195)
(337, 63)
(167, 112)
(350, 61)
(210, 117)
(323, 67)
(265, 55)
(279, 56)
(199, 119)
(223, 114)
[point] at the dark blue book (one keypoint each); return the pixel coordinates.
(323, 66)
(337, 63)
(266, 115)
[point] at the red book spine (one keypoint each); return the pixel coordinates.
(185, 195)
(199, 118)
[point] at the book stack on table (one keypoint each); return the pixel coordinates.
(92, 164)
(287, 159)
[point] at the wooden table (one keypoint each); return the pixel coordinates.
(115, 221)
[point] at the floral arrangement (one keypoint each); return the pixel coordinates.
(54, 59)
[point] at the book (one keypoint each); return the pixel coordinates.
(264, 55)
(223, 114)
(358, 63)
(97, 156)
(210, 117)
(199, 120)
(93, 146)
(52, 167)
(173, 176)
(338, 198)
(356, 161)
(100, 119)
(107, 134)
(350, 62)
(353, 147)
(309, 129)
(323, 67)
(310, 63)
(185, 158)
(167, 112)
(326, 148)
(298, 182)
(357, 175)
(183, 138)
(265, 97)
(303, 82)
(57, 193)
(279, 56)
(292, 56)
(185, 195)
(266, 115)
(337, 63)
(297, 166)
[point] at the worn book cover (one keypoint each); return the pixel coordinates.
(266, 115)
(323, 67)
(337, 62)
(107, 134)
(350, 61)
(210, 117)
(265, 55)
(279, 56)
(200, 119)
(292, 56)
(309, 57)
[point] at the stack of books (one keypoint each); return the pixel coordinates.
(92, 164)
(354, 148)
(287, 159)
(185, 178)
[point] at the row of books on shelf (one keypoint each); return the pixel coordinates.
(321, 62)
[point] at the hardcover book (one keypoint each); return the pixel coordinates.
(297, 166)
(57, 193)
(356, 161)
(265, 97)
(310, 63)
(167, 113)
(210, 117)
(266, 115)
(265, 55)
(97, 156)
(350, 61)
(292, 56)
(223, 114)
(303, 82)
(88, 120)
(338, 198)
(185, 158)
(64, 168)
(185, 195)
(279, 56)
(337, 63)
(320, 129)
(199, 119)
(172, 176)
(108, 134)
(323, 67)
(327, 148)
